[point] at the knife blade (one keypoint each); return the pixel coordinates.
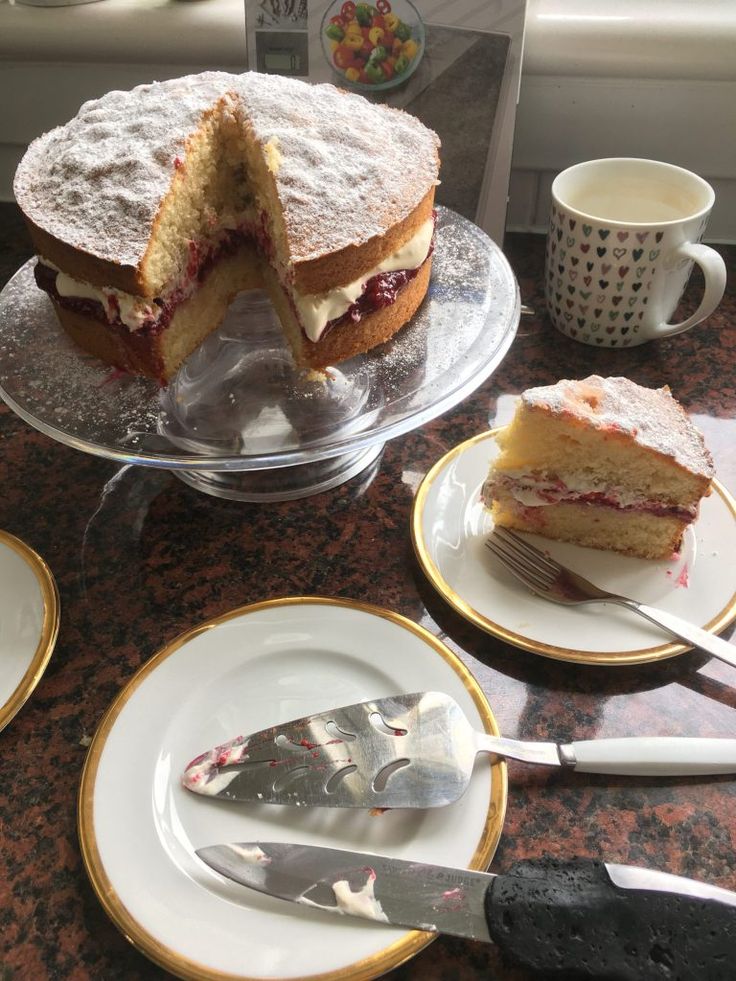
(582, 917)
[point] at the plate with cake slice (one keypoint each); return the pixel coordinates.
(611, 480)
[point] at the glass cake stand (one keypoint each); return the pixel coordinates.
(239, 420)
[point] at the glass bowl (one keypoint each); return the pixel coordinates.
(354, 62)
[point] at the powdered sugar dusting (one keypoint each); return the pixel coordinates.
(97, 182)
(348, 169)
(651, 416)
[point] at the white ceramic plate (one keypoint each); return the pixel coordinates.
(29, 622)
(237, 674)
(449, 530)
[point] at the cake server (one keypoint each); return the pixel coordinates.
(414, 750)
(561, 918)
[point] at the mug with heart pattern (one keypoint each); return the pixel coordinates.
(624, 233)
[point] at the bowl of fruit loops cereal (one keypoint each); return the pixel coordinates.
(373, 47)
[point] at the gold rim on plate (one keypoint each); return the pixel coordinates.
(49, 627)
(167, 957)
(431, 570)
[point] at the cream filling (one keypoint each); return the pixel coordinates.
(251, 855)
(133, 311)
(361, 903)
(317, 310)
(535, 491)
(203, 775)
(202, 780)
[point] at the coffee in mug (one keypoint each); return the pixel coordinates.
(624, 233)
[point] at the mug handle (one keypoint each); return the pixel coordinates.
(714, 272)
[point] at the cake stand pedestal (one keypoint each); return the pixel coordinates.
(239, 421)
(286, 483)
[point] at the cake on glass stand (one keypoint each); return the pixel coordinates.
(239, 420)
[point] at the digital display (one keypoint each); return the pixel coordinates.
(282, 61)
(282, 52)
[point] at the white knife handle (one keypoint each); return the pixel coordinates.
(655, 756)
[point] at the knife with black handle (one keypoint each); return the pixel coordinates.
(560, 918)
(563, 919)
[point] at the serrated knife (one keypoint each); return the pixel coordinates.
(563, 918)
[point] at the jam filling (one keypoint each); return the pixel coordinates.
(201, 259)
(380, 290)
(600, 500)
(555, 491)
(650, 507)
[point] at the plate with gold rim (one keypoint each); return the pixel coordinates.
(450, 527)
(255, 666)
(29, 622)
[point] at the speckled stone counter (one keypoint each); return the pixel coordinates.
(139, 557)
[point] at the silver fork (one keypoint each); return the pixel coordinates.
(554, 582)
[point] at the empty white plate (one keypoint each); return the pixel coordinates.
(29, 622)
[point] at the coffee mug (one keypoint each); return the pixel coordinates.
(624, 234)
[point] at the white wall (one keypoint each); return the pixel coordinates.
(654, 78)
(52, 60)
(626, 78)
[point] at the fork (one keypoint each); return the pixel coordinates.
(555, 582)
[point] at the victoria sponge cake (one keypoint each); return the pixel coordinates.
(152, 208)
(602, 462)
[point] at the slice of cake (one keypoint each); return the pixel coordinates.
(152, 208)
(600, 462)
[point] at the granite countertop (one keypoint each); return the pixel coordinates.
(139, 557)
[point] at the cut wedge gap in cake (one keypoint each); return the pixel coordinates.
(601, 462)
